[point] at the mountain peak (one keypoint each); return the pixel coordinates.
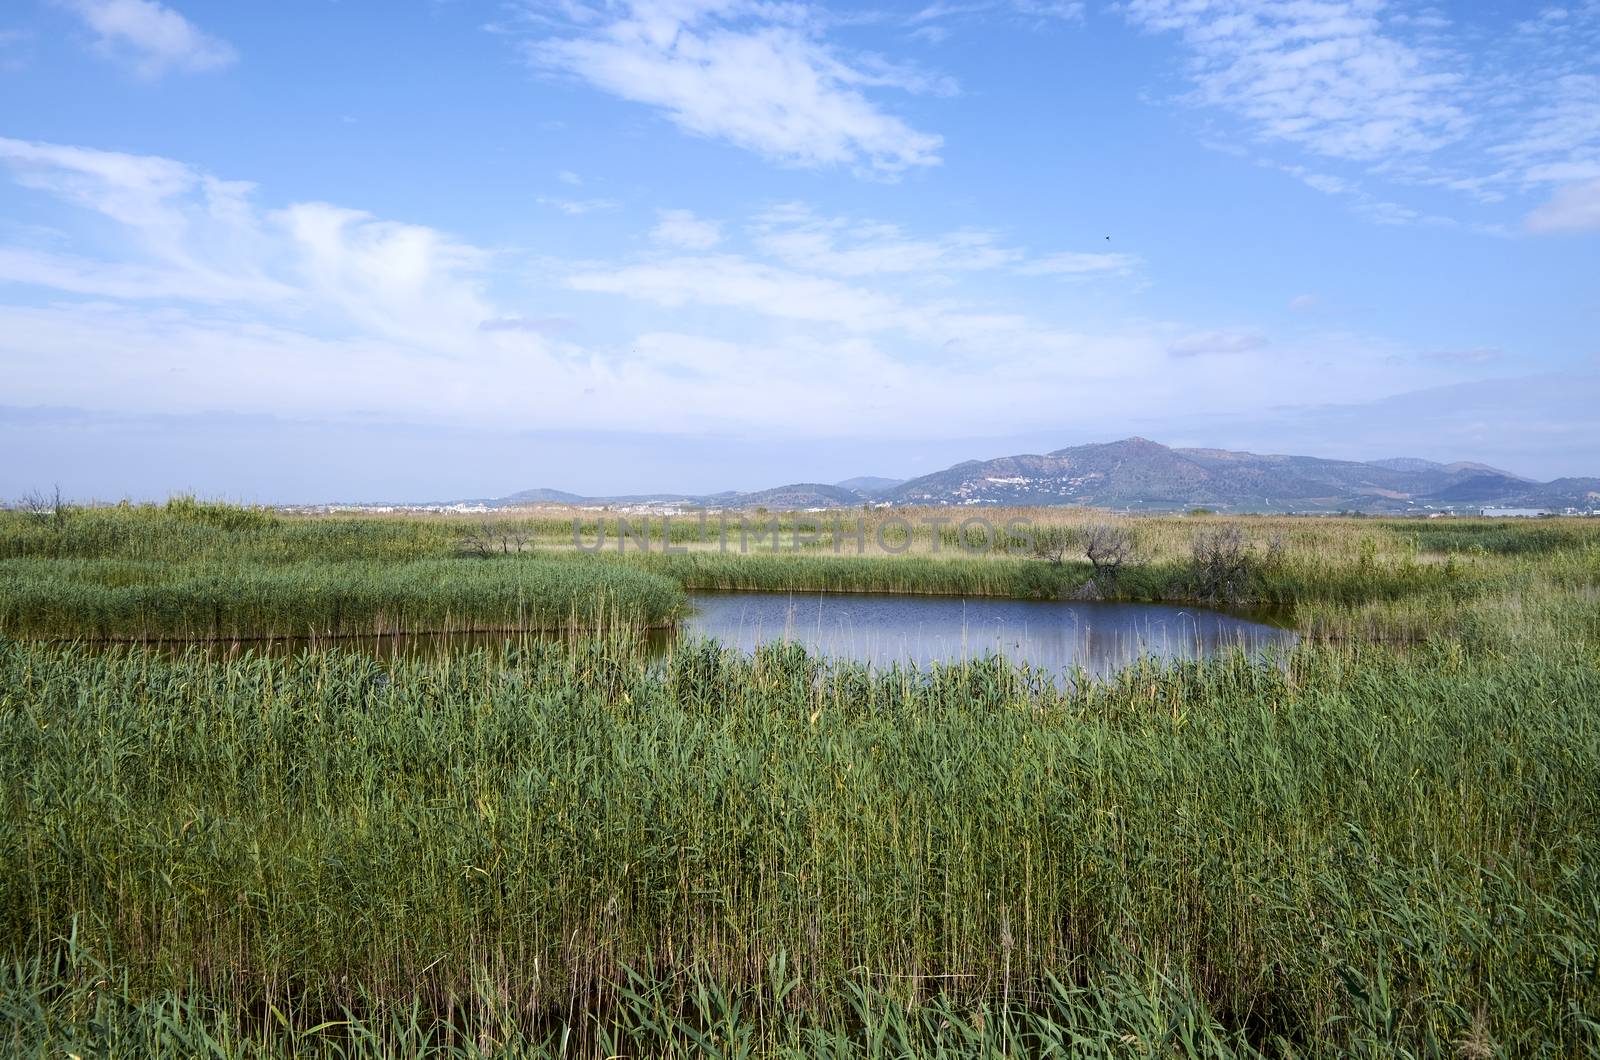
(1134, 444)
(1138, 474)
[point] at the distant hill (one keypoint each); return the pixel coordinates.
(541, 497)
(869, 485)
(1411, 463)
(802, 495)
(1138, 474)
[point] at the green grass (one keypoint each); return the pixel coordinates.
(1361, 853)
(188, 569)
(194, 571)
(913, 575)
(130, 600)
(1389, 846)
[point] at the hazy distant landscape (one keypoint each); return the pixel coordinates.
(1138, 474)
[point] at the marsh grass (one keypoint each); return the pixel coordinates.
(1389, 845)
(132, 600)
(211, 572)
(188, 569)
(1360, 852)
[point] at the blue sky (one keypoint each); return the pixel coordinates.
(442, 248)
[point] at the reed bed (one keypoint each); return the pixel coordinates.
(566, 847)
(188, 569)
(123, 600)
(1388, 845)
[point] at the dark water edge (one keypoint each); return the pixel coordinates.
(879, 629)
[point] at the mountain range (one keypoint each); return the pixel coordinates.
(1138, 474)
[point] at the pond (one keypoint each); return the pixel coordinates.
(883, 629)
(1056, 635)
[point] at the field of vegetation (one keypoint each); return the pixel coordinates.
(1389, 846)
(193, 571)
(196, 571)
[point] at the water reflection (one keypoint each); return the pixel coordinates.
(884, 629)
(1052, 634)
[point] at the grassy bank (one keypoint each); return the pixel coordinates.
(123, 600)
(191, 570)
(1362, 854)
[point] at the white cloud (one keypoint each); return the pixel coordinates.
(199, 236)
(1324, 74)
(680, 228)
(1072, 263)
(195, 238)
(734, 282)
(1573, 208)
(406, 282)
(1559, 139)
(567, 176)
(1030, 11)
(1395, 95)
(753, 74)
(1066, 10)
(153, 37)
(579, 207)
(841, 246)
(765, 290)
(201, 299)
(965, 361)
(1326, 183)
(1392, 213)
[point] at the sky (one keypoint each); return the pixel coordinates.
(437, 249)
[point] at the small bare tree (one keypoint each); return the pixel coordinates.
(1108, 547)
(47, 510)
(1053, 543)
(488, 539)
(1220, 563)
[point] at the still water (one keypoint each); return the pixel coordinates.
(880, 629)
(1056, 635)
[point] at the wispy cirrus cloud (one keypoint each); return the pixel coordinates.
(756, 75)
(577, 207)
(933, 22)
(1329, 75)
(1081, 264)
(681, 228)
(1559, 140)
(152, 37)
(843, 246)
(1392, 94)
(197, 236)
(187, 236)
(732, 281)
(1573, 208)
